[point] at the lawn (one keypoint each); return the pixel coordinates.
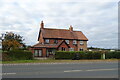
(55, 61)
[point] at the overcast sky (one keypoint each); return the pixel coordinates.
(96, 19)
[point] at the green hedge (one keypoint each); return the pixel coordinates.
(115, 54)
(86, 54)
(17, 55)
(77, 54)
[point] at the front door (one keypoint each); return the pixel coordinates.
(37, 53)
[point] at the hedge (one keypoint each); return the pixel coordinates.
(77, 54)
(17, 55)
(86, 54)
(115, 54)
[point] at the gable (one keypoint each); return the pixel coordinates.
(63, 44)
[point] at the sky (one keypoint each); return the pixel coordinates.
(98, 20)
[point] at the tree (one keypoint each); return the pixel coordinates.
(12, 41)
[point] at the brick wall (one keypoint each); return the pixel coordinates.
(76, 47)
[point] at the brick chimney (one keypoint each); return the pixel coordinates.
(42, 25)
(71, 28)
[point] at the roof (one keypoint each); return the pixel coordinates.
(49, 45)
(45, 45)
(62, 34)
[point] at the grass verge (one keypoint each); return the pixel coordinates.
(54, 61)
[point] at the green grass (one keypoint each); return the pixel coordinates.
(53, 61)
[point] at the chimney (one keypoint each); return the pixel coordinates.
(42, 25)
(71, 28)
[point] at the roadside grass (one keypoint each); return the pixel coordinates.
(54, 61)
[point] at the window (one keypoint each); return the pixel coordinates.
(67, 41)
(55, 41)
(63, 49)
(81, 43)
(50, 52)
(46, 40)
(71, 49)
(38, 53)
(74, 42)
(81, 49)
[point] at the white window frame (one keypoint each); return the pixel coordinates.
(55, 41)
(82, 49)
(35, 53)
(81, 42)
(47, 40)
(67, 41)
(71, 49)
(74, 41)
(38, 53)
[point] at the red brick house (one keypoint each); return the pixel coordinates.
(51, 40)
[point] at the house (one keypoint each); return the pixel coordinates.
(51, 40)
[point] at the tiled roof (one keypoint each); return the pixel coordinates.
(45, 45)
(48, 45)
(62, 33)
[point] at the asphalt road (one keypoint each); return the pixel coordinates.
(62, 70)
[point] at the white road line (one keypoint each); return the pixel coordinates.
(73, 71)
(102, 69)
(91, 70)
(7, 73)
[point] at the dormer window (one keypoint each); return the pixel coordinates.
(55, 41)
(81, 43)
(74, 42)
(67, 41)
(47, 41)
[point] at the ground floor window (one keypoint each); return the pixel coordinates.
(50, 52)
(63, 49)
(38, 53)
(81, 49)
(71, 49)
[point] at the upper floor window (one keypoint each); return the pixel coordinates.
(81, 43)
(74, 42)
(81, 49)
(55, 41)
(67, 41)
(46, 40)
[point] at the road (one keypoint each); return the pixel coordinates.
(62, 70)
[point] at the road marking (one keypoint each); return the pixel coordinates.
(73, 71)
(101, 69)
(7, 73)
(91, 70)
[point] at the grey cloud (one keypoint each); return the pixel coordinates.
(97, 20)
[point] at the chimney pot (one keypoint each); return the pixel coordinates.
(71, 28)
(42, 25)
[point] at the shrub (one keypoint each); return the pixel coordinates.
(64, 55)
(115, 54)
(19, 55)
(77, 55)
(5, 57)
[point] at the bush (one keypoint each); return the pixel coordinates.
(64, 55)
(115, 54)
(77, 55)
(5, 57)
(18, 55)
